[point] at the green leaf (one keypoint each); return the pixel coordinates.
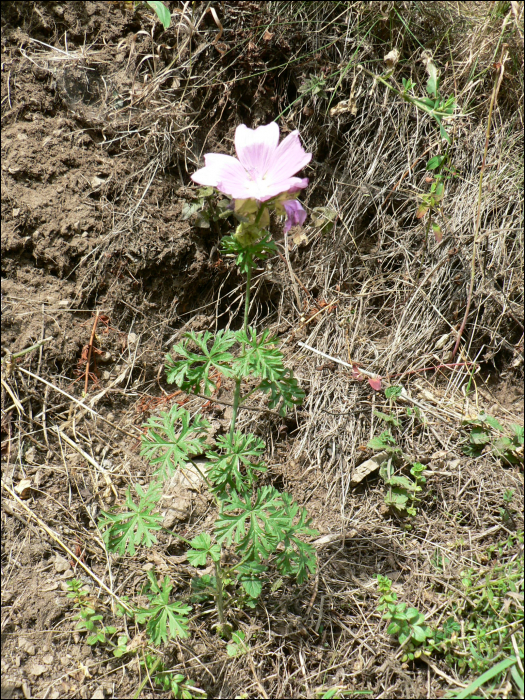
(381, 442)
(165, 620)
(259, 357)
(122, 532)
(435, 162)
(224, 470)
(479, 436)
(438, 234)
(392, 420)
(403, 482)
(433, 80)
(161, 11)
(171, 445)
(286, 388)
(493, 422)
(195, 368)
(444, 133)
(249, 573)
(245, 256)
(237, 646)
(298, 558)
(323, 218)
(487, 676)
(189, 209)
(518, 433)
(422, 210)
(257, 529)
(202, 549)
(397, 498)
(393, 392)
(204, 587)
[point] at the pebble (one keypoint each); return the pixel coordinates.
(61, 564)
(36, 669)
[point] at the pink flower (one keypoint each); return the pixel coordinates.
(264, 168)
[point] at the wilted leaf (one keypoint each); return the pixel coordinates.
(422, 210)
(344, 107)
(368, 467)
(375, 383)
(391, 59)
(438, 235)
(300, 238)
(356, 374)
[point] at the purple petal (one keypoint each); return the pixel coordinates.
(295, 214)
(256, 147)
(289, 158)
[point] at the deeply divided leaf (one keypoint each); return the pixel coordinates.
(173, 439)
(233, 465)
(195, 368)
(122, 532)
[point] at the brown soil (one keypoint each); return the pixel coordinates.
(95, 174)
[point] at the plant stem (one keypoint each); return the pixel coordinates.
(237, 394)
(220, 597)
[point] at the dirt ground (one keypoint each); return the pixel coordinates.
(101, 128)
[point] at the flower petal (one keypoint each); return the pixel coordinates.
(295, 214)
(288, 159)
(272, 189)
(226, 174)
(256, 147)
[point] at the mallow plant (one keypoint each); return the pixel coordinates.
(262, 528)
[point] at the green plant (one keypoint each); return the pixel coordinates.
(488, 434)
(206, 208)
(314, 86)
(89, 619)
(402, 493)
(178, 685)
(237, 646)
(263, 528)
(160, 10)
(407, 624)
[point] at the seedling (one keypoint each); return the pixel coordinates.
(488, 434)
(405, 623)
(402, 492)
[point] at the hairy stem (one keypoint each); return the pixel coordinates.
(220, 595)
(237, 395)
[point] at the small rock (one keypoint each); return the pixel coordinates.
(16, 212)
(61, 564)
(98, 694)
(48, 659)
(132, 338)
(23, 489)
(7, 597)
(36, 669)
(26, 646)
